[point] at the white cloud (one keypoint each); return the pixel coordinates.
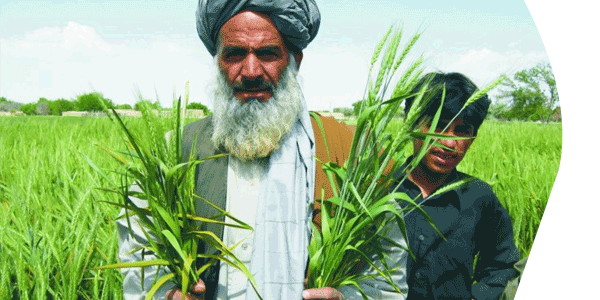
(71, 36)
(172, 48)
(64, 62)
(55, 62)
(75, 34)
(483, 65)
(475, 56)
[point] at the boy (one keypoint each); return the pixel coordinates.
(471, 218)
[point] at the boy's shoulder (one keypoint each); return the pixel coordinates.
(474, 183)
(476, 190)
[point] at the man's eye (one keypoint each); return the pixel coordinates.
(267, 55)
(234, 54)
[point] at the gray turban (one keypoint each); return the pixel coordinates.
(297, 20)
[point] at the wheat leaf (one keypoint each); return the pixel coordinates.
(159, 283)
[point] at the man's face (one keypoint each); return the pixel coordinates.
(252, 55)
(442, 161)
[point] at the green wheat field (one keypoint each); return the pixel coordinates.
(55, 229)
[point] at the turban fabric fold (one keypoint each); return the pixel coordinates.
(297, 20)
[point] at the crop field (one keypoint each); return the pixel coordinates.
(520, 161)
(55, 229)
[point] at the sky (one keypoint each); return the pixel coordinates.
(115, 46)
(61, 49)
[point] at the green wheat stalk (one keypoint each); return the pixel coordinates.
(356, 218)
(164, 179)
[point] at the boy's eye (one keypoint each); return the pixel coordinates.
(459, 130)
(464, 130)
(441, 125)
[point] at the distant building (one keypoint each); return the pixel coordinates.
(190, 113)
(81, 114)
(337, 116)
(10, 114)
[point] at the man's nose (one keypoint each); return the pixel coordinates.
(251, 68)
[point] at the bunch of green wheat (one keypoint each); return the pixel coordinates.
(164, 180)
(356, 219)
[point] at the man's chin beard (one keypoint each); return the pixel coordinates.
(252, 149)
(255, 129)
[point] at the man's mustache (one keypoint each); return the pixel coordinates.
(253, 85)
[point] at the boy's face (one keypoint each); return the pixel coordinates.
(442, 161)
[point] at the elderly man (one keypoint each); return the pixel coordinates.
(270, 178)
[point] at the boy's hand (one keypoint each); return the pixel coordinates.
(196, 292)
(326, 293)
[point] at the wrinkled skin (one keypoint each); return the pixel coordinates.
(252, 55)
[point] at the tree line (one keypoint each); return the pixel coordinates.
(91, 102)
(529, 95)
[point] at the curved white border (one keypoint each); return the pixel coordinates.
(564, 261)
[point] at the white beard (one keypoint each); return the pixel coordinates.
(254, 129)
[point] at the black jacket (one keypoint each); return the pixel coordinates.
(475, 225)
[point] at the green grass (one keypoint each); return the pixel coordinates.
(520, 160)
(54, 230)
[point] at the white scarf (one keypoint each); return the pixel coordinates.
(282, 226)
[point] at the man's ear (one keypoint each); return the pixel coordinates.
(298, 58)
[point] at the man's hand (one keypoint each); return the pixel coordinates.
(196, 292)
(326, 293)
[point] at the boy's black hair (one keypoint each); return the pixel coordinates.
(458, 90)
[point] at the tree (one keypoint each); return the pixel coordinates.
(532, 93)
(123, 106)
(8, 105)
(92, 102)
(198, 105)
(344, 110)
(28, 109)
(42, 108)
(57, 107)
(357, 106)
(138, 105)
(499, 110)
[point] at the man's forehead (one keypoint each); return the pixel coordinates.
(246, 37)
(250, 28)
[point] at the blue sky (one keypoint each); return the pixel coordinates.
(59, 49)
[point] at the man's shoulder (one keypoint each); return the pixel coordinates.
(330, 123)
(337, 133)
(332, 137)
(196, 138)
(198, 126)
